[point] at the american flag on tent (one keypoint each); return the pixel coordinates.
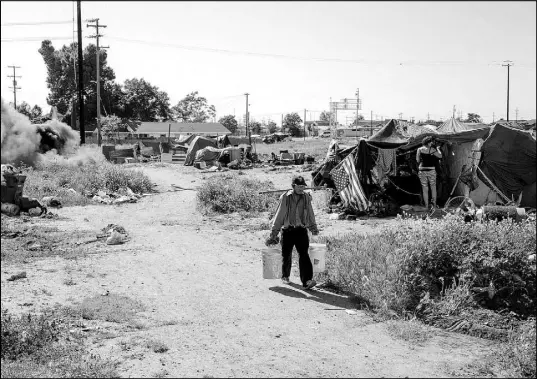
(348, 185)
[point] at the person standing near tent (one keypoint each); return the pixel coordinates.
(294, 216)
(427, 157)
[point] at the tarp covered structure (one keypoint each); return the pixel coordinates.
(388, 137)
(453, 126)
(197, 143)
(208, 154)
(508, 160)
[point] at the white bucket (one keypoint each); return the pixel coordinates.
(272, 263)
(317, 252)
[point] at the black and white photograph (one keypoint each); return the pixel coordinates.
(268, 189)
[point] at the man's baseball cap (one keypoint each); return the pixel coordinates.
(298, 180)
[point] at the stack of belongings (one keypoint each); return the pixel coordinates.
(127, 155)
(207, 157)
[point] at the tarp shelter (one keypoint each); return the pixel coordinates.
(508, 160)
(458, 149)
(197, 143)
(388, 137)
(208, 154)
(453, 126)
(409, 130)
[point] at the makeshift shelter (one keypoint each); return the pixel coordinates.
(208, 154)
(388, 137)
(508, 161)
(453, 126)
(197, 143)
(409, 130)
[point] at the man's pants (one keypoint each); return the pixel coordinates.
(296, 237)
(426, 178)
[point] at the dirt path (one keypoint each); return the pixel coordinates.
(201, 281)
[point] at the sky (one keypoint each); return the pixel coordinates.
(407, 59)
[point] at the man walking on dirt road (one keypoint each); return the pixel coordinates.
(294, 216)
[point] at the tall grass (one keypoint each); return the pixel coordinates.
(87, 173)
(40, 346)
(231, 193)
(417, 260)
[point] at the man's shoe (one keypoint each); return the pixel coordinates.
(310, 284)
(285, 280)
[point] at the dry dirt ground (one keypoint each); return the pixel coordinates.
(200, 279)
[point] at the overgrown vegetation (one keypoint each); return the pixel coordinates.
(461, 273)
(424, 259)
(86, 174)
(230, 193)
(39, 346)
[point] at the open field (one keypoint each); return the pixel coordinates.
(184, 297)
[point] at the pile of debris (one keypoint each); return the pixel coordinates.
(11, 187)
(123, 195)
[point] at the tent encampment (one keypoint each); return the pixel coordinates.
(208, 154)
(508, 161)
(388, 137)
(197, 143)
(453, 126)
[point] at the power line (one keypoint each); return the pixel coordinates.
(236, 52)
(29, 39)
(36, 23)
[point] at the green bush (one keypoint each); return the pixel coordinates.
(402, 265)
(230, 193)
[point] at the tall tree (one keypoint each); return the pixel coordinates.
(272, 127)
(193, 108)
(61, 66)
(229, 122)
(35, 113)
(293, 122)
(255, 126)
(474, 118)
(142, 101)
(325, 116)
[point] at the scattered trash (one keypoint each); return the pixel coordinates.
(71, 190)
(51, 201)
(105, 293)
(351, 312)
(34, 212)
(337, 216)
(18, 276)
(115, 238)
(10, 209)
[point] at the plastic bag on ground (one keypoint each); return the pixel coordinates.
(115, 238)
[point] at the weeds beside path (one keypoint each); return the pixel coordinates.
(206, 309)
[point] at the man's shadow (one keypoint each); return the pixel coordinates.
(332, 300)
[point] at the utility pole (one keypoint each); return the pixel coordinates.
(516, 115)
(247, 126)
(282, 123)
(400, 116)
(493, 115)
(15, 88)
(96, 36)
(80, 88)
(304, 124)
(453, 112)
(508, 64)
(371, 123)
(428, 116)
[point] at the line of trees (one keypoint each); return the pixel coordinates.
(134, 99)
